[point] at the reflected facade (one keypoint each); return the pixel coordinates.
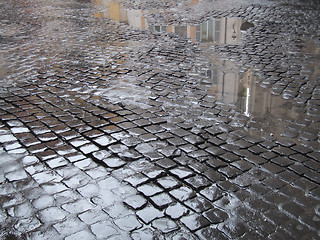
(232, 87)
(215, 31)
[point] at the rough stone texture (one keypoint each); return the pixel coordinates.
(110, 129)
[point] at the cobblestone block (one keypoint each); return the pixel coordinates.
(44, 201)
(198, 204)
(52, 188)
(282, 161)
(263, 227)
(136, 202)
(27, 224)
(166, 163)
(168, 182)
(216, 151)
(230, 172)
(49, 233)
(274, 182)
(183, 193)
(103, 229)
(210, 232)
(104, 140)
(85, 164)
(181, 172)
(313, 176)
(84, 234)
(149, 189)
(95, 115)
(154, 172)
(45, 176)
(195, 222)
(78, 206)
(164, 225)
(233, 228)
(176, 211)
(69, 226)
(93, 215)
(197, 182)
(170, 151)
(146, 233)
(148, 214)
(52, 214)
(136, 179)
(128, 223)
(161, 200)
(16, 175)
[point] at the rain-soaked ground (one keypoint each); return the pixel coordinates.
(159, 119)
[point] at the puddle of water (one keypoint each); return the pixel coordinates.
(312, 50)
(273, 113)
(222, 78)
(230, 86)
(216, 31)
(126, 91)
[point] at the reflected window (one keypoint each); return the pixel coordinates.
(217, 30)
(204, 32)
(209, 31)
(160, 28)
(198, 33)
(181, 31)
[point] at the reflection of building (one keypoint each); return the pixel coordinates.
(116, 12)
(218, 31)
(232, 87)
(259, 102)
(225, 84)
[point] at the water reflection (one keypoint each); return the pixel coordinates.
(217, 31)
(227, 84)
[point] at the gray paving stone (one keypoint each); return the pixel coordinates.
(78, 206)
(198, 204)
(181, 172)
(27, 224)
(146, 233)
(44, 201)
(149, 189)
(176, 211)
(212, 193)
(128, 223)
(195, 222)
(84, 234)
(161, 200)
(48, 233)
(197, 182)
(72, 117)
(168, 182)
(183, 193)
(69, 226)
(52, 214)
(118, 210)
(136, 201)
(103, 229)
(16, 175)
(164, 225)
(210, 232)
(233, 228)
(148, 214)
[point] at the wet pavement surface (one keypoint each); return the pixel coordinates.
(159, 119)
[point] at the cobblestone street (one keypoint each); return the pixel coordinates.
(186, 119)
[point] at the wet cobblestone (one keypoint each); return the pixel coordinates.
(112, 131)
